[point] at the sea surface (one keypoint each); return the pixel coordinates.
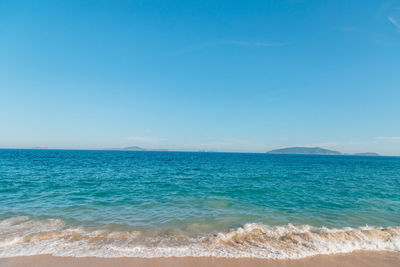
(152, 204)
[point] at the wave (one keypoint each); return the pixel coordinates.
(20, 236)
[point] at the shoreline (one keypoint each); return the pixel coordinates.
(359, 258)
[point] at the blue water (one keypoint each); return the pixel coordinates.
(193, 194)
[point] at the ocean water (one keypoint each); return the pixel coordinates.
(152, 204)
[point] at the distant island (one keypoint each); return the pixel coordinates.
(366, 154)
(304, 150)
(130, 148)
(314, 151)
(135, 148)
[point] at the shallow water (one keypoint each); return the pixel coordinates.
(123, 203)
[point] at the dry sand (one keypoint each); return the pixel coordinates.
(373, 259)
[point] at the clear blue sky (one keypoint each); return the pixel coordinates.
(213, 75)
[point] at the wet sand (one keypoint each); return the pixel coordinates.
(366, 259)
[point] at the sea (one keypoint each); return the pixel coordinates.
(162, 204)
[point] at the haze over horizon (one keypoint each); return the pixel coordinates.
(215, 75)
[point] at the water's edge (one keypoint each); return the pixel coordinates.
(21, 236)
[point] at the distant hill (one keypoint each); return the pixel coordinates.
(130, 148)
(304, 150)
(366, 154)
(134, 148)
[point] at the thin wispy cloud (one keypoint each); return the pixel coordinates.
(269, 99)
(349, 29)
(230, 43)
(257, 44)
(394, 21)
(389, 138)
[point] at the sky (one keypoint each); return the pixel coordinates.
(245, 76)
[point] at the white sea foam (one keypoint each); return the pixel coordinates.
(20, 236)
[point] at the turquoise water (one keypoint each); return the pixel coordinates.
(180, 203)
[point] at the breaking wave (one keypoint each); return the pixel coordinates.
(20, 236)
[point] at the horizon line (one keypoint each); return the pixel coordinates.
(194, 151)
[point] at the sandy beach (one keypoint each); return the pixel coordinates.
(365, 259)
